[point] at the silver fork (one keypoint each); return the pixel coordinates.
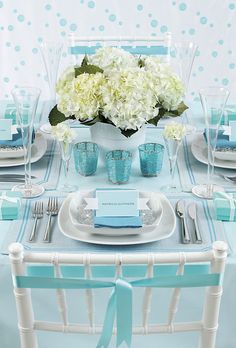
(52, 210)
(37, 214)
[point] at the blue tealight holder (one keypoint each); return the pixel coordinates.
(86, 158)
(118, 163)
(151, 158)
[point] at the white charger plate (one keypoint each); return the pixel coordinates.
(199, 151)
(38, 149)
(76, 205)
(164, 229)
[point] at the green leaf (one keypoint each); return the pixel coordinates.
(56, 116)
(181, 108)
(85, 61)
(141, 63)
(87, 69)
(128, 132)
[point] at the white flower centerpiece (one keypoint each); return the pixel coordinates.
(116, 88)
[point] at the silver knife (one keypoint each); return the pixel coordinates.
(192, 211)
(180, 210)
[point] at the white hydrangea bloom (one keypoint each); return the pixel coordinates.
(81, 96)
(128, 100)
(112, 59)
(174, 131)
(62, 132)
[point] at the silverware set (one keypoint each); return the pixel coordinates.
(185, 212)
(38, 212)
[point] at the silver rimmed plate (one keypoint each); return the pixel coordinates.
(38, 149)
(199, 151)
(164, 228)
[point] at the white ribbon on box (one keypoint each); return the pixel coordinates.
(232, 203)
(4, 197)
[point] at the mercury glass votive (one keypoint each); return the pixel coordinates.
(118, 163)
(86, 158)
(151, 158)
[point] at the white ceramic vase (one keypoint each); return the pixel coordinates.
(109, 138)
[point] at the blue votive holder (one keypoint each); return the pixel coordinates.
(118, 163)
(151, 158)
(86, 158)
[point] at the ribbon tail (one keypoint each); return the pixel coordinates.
(124, 313)
(108, 324)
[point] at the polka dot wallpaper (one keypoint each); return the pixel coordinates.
(24, 24)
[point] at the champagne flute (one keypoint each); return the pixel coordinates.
(26, 100)
(213, 100)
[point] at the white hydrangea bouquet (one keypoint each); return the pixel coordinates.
(115, 87)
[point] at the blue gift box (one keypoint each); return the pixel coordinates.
(10, 205)
(225, 206)
(229, 115)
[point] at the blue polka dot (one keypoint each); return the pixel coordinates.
(198, 13)
(231, 65)
(232, 6)
(221, 42)
(73, 27)
(64, 55)
(15, 10)
(191, 31)
(38, 74)
(106, 10)
(216, 79)
(46, 25)
(112, 18)
(63, 33)
(22, 62)
(101, 27)
(182, 6)
(154, 23)
(183, 31)
(29, 23)
(17, 48)
(6, 79)
(58, 14)
(91, 4)
(153, 34)
(1, 4)
(200, 68)
(81, 1)
(120, 23)
(48, 7)
(8, 44)
(229, 25)
(21, 18)
(173, 3)
(194, 74)
(197, 53)
(203, 20)
(211, 25)
(225, 82)
(214, 54)
(34, 50)
(10, 27)
(16, 68)
(149, 15)
(164, 29)
(140, 7)
(63, 22)
(93, 29)
(40, 39)
(137, 25)
(230, 52)
(2, 28)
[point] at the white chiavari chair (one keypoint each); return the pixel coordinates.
(175, 271)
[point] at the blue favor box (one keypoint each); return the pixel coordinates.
(225, 206)
(10, 205)
(229, 115)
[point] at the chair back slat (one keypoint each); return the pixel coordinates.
(147, 298)
(89, 292)
(60, 294)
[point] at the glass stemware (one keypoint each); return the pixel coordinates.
(213, 100)
(26, 100)
(66, 152)
(51, 54)
(185, 53)
(172, 147)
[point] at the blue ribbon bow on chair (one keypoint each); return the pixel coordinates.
(120, 301)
